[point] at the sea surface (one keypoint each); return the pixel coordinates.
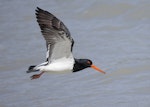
(114, 34)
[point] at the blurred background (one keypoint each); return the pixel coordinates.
(115, 35)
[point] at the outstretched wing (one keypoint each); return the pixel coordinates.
(58, 39)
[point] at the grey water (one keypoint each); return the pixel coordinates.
(115, 35)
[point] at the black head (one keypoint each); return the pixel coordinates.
(81, 64)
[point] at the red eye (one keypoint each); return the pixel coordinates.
(89, 62)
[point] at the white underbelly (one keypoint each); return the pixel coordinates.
(60, 65)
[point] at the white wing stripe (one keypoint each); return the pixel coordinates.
(47, 53)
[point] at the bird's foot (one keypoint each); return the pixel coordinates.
(36, 76)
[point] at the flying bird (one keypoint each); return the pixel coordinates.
(59, 44)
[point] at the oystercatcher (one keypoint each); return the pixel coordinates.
(59, 45)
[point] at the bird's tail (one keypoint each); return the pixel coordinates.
(31, 69)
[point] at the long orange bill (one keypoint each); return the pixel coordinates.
(96, 68)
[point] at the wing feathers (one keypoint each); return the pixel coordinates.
(58, 40)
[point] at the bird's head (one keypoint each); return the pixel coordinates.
(85, 63)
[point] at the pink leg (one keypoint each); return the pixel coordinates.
(36, 75)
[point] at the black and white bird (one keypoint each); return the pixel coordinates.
(59, 43)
